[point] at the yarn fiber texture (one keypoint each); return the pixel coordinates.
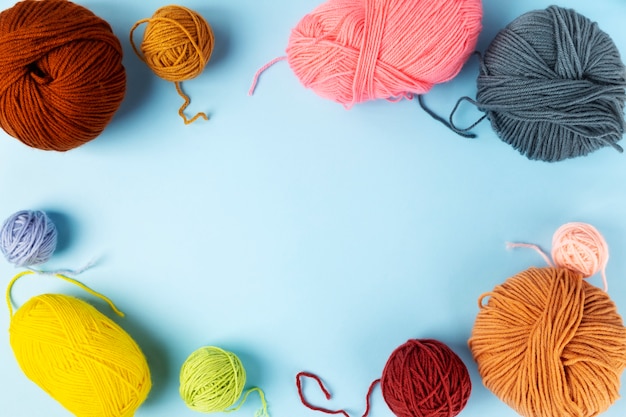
(351, 51)
(549, 344)
(552, 85)
(211, 380)
(61, 74)
(28, 238)
(80, 357)
(425, 378)
(177, 45)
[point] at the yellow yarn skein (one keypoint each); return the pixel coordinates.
(80, 357)
(177, 45)
(212, 380)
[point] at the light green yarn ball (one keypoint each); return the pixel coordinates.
(211, 380)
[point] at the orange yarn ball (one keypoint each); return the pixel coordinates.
(356, 50)
(549, 344)
(177, 43)
(61, 74)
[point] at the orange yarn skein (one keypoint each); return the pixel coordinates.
(61, 74)
(177, 45)
(550, 344)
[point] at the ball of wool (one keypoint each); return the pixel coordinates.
(580, 247)
(28, 238)
(61, 74)
(177, 43)
(425, 378)
(351, 51)
(552, 85)
(83, 359)
(211, 380)
(549, 344)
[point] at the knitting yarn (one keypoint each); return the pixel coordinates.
(580, 247)
(212, 380)
(351, 51)
(61, 74)
(177, 44)
(27, 238)
(549, 344)
(80, 357)
(422, 377)
(425, 378)
(552, 85)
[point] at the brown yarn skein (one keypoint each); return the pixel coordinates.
(549, 344)
(61, 74)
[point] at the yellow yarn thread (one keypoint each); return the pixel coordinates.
(212, 380)
(80, 357)
(177, 45)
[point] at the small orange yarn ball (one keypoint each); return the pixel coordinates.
(61, 74)
(550, 344)
(177, 43)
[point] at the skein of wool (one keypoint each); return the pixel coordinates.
(61, 74)
(28, 237)
(76, 354)
(212, 380)
(552, 84)
(177, 44)
(422, 377)
(350, 51)
(548, 343)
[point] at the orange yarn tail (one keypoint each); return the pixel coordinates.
(184, 106)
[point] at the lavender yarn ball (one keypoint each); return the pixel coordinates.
(28, 238)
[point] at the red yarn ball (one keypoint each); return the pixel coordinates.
(425, 378)
(356, 50)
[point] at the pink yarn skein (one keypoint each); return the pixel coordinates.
(352, 51)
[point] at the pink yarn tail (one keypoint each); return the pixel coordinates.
(540, 251)
(327, 395)
(255, 80)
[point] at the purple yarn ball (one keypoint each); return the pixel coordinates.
(28, 238)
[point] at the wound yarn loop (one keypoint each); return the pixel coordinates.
(61, 74)
(549, 344)
(213, 379)
(177, 45)
(424, 377)
(80, 357)
(580, 247)
(351, 51)
(552, 85)
(28, 237)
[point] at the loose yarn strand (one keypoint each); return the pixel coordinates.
(262, 412)
(64, 278)
(328, 395)
(511, 245)
(449, 123)
(185, 104)
(255, 79)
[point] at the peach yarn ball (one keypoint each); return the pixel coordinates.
(352, 51)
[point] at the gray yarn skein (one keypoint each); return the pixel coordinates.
(28, 238)
(552, 85)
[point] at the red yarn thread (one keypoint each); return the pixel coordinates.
(327, 395)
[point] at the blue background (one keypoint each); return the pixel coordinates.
(298, 234)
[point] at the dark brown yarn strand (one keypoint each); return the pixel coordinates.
(61, 74)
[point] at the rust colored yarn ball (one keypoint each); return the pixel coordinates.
(425, 378)
(549, 344)
(61, 74)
